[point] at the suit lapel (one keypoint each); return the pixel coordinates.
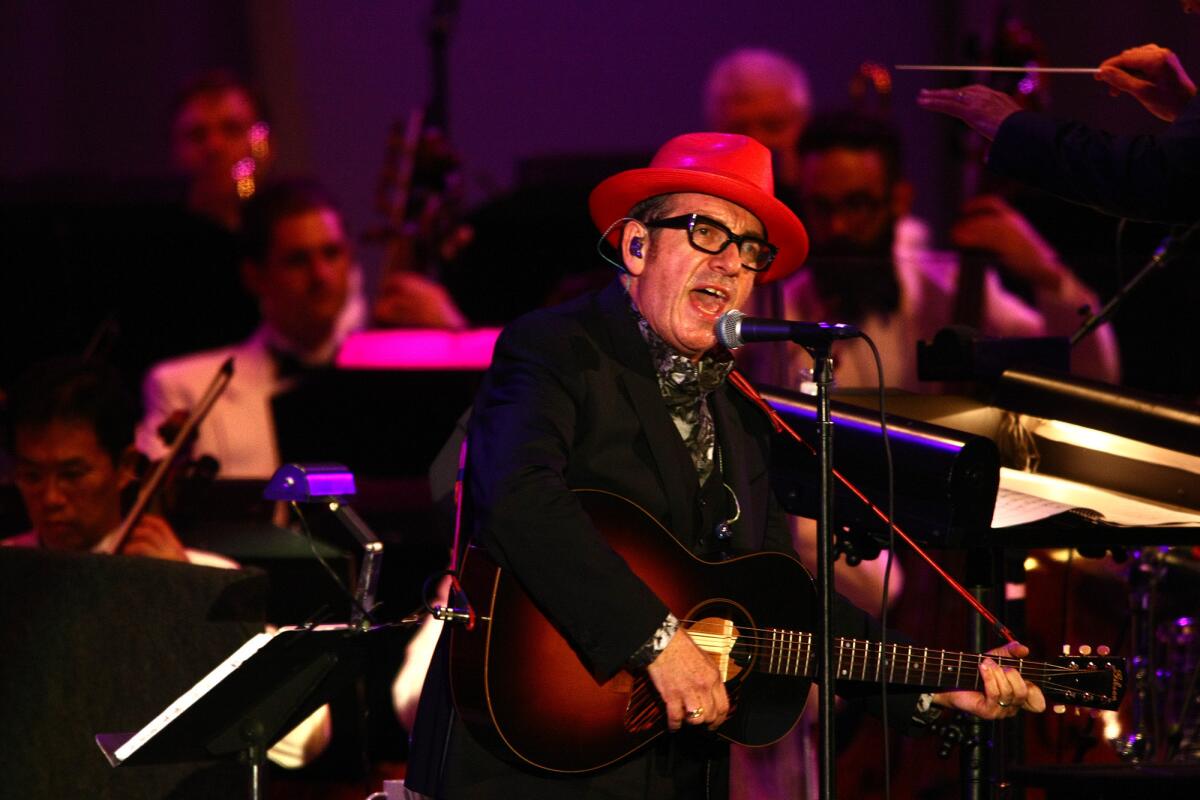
(640, 384)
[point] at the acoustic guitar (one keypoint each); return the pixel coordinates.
(519, 685)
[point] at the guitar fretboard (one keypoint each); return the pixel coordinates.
(792, 653)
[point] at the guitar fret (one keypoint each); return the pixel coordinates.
(773, 649)
(838, 671)
(808, 654)
(908, 665)
(923, 662)
(892, 673)
(862, 673)
(941, 663)
(958, 677)
(978, 674)
(791, 650)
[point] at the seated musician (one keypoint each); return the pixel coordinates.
(854, 198)
(71, 426)
(299, 265)
(626, 390)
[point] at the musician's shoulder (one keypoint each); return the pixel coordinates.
(201, 365)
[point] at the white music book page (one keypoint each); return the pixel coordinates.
(188, 698)
(1026, 497)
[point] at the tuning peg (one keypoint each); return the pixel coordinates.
(1085, 649)
(1060, 709)
(1103, 650)
(1066, 649)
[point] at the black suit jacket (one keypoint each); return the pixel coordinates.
(1141, 177)
(572, 401)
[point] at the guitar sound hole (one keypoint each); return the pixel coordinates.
(724, 631)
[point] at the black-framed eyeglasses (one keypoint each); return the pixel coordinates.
(709, 236)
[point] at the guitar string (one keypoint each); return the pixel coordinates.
(801, 643)
(1043, 677)
(788, 639)
(901, 659)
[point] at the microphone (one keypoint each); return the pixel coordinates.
(735, 329)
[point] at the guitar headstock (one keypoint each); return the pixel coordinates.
(1085, 679)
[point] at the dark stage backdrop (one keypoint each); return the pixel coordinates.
(84, 102)
(88, 84)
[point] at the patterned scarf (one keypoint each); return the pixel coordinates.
(685, 385)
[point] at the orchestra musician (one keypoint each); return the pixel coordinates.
(765, 95)
(625, 390)
(71, 430)
(864, 270)
(298, 263)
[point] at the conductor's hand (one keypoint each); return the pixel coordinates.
(1004, 693)
(688, 681)
(982, 108)
(1153, 75)
(152, 537)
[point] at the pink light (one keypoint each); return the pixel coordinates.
(419, 349)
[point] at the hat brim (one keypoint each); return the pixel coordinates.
(613, 198)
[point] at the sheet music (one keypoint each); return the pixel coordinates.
(218, 674)
(1027, 497)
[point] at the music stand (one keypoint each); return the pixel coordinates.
(249, 701)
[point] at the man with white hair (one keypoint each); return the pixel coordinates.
(762, 94)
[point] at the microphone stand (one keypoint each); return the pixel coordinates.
(823, 374)
(1166, 251)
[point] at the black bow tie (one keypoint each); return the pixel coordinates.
(287, 366)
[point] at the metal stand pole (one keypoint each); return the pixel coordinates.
(823, 369)
(255, 755)
(977, 761)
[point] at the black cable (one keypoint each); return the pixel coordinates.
(312, 545)
(1118, 256)
(887, 570)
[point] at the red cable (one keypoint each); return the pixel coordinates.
(780, 425)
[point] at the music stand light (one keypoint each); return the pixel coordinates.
(330, 484)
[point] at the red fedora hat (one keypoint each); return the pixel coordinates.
(726, 165)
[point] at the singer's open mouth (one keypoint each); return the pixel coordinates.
(710, 300)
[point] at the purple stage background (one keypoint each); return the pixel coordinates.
(87, 85)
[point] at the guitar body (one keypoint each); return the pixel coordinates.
(519, 685)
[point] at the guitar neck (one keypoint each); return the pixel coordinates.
(793, 653)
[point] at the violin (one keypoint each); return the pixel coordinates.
(169, 463)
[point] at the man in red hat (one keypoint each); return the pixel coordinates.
(624, 390)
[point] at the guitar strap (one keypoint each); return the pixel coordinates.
(745, 387)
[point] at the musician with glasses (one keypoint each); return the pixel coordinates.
(626, 390)
(864, 270)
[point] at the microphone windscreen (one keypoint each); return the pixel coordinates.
(727, 329)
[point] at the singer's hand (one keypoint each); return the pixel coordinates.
(688, 681)
(1004, 693)
(1153, 75)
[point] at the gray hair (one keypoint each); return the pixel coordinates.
(751, 66)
